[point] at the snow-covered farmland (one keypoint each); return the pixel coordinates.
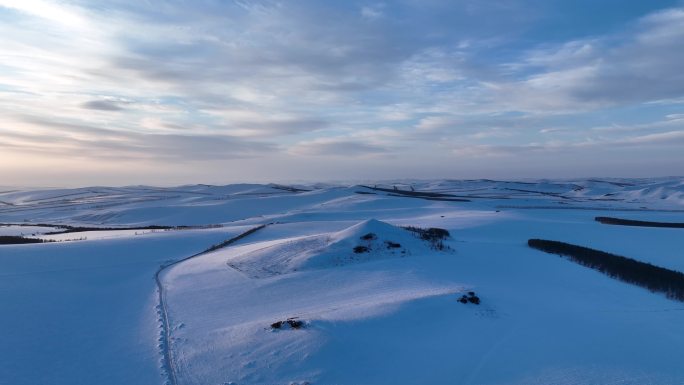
(84, 312)
(377, 304)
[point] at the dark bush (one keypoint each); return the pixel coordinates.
(295, 324)
(361, 249)
(430, 234)
(368, 237)
(471, 297)
(292, 322)
(474, 299)
(437, 233)
(433, 235)
(392, 245)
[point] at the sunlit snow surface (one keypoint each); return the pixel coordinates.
(82, 310)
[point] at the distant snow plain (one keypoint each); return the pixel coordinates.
(85, 309)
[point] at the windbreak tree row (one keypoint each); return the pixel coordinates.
(651, 277)
(632, 222)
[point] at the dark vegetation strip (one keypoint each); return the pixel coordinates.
(411, 193)
(162, 190)
(166, 327)
(288, 188)
(619, 184)
(500, 181)
(559, 195)
(588, 208)
(630, 222)
(77, 229)
(651, 277)
(416, 194)
(430, 198)
(18, 240)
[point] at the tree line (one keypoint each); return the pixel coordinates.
(651, 277)
(631, 222)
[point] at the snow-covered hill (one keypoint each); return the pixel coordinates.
(369, 240)
(204, 204)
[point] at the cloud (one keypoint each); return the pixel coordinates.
(48, 10)
(469, 151)
(102, 105)
(337, 147)
(372, 12)
(643, 66)
(275, 50)
(671, 122)
(241, 122)
(674, 116)
(87, 142)
(218, 80)
(276, 127)
(670, 139)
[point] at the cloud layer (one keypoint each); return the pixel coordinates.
(264, 90)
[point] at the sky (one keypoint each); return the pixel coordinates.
(177, 92)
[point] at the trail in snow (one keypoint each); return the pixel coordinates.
(163, 311)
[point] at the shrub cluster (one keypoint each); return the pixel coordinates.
(293, 323)
(653, 278)
(471, 297)
(434, 235)
(369, 237)
(392, 245)
(361, 249)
